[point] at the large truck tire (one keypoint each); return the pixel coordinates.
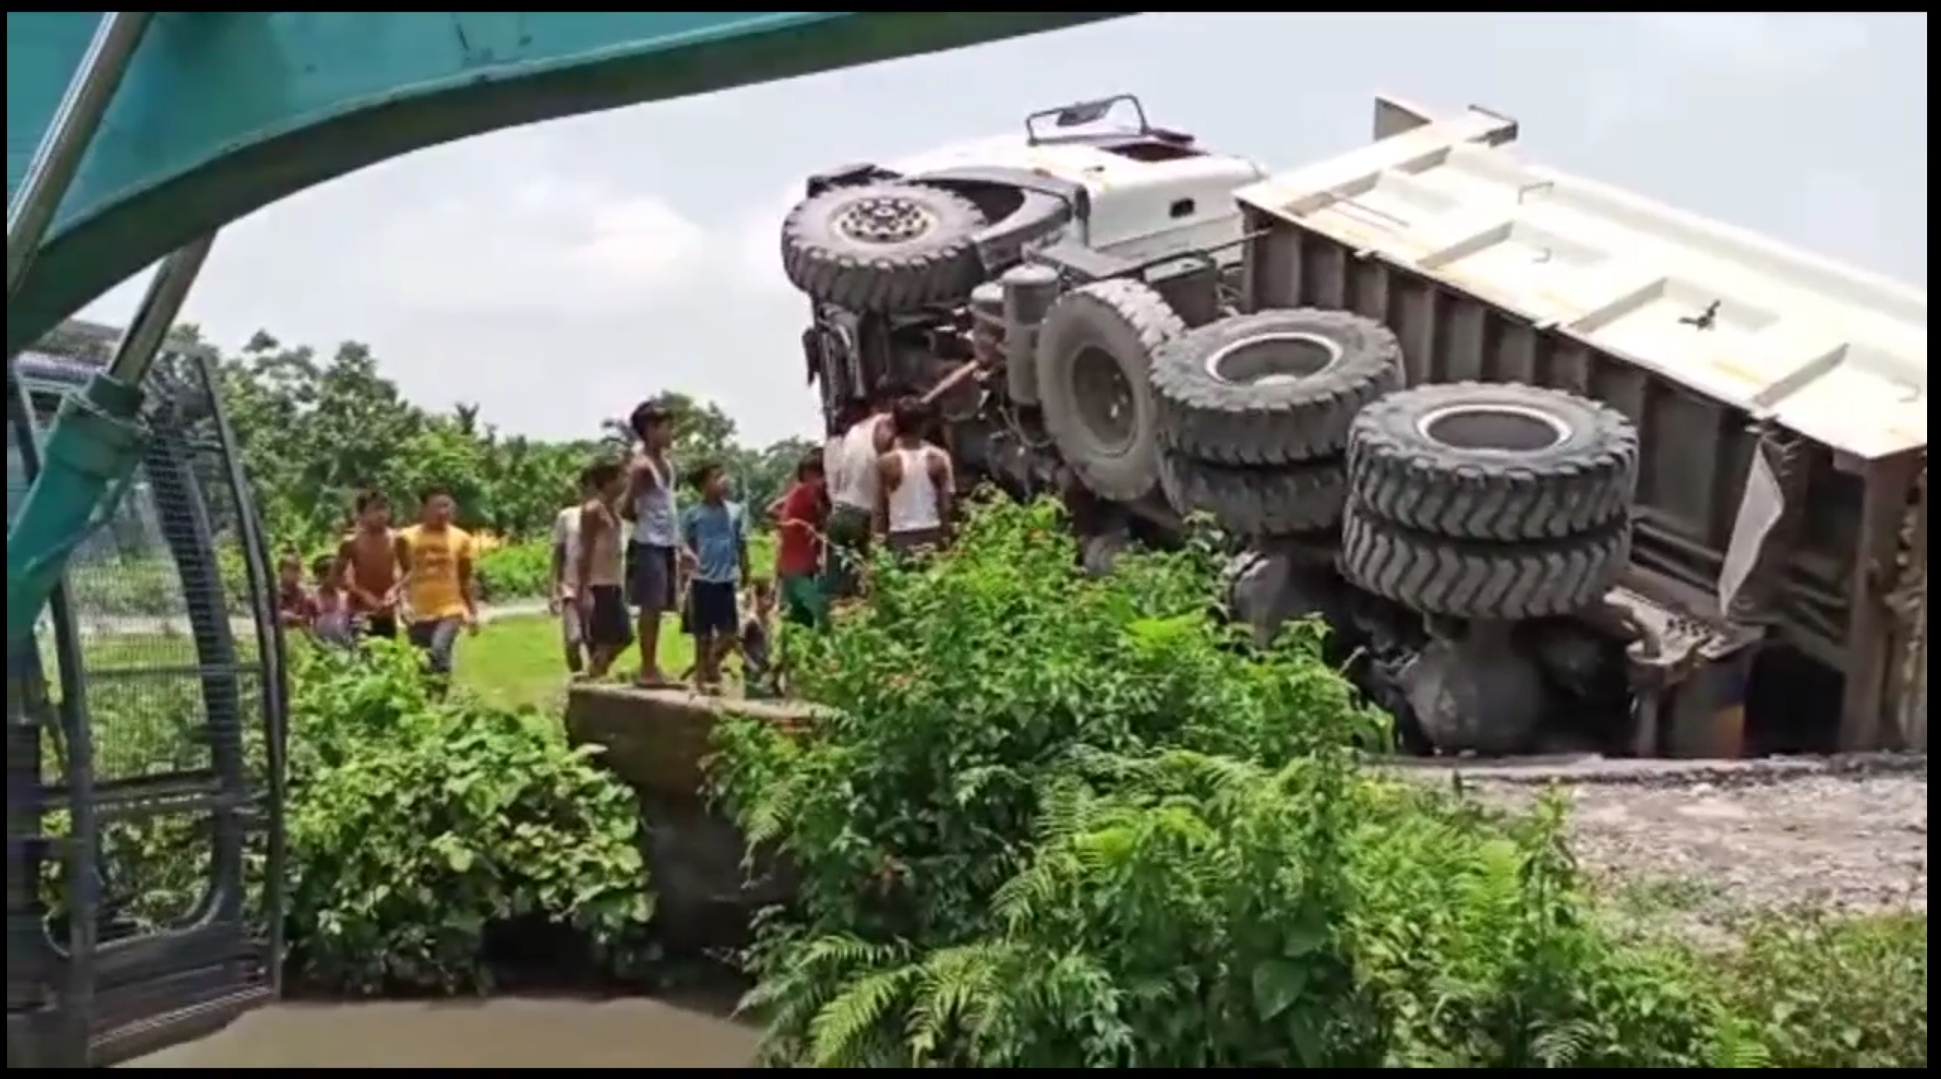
(1281, 500)
(1272, 387)
(1094, 383)
(1479, 580)
(886, 248)
(1493, 461)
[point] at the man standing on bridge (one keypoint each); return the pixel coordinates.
(655, 556)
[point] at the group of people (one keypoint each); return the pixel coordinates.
(878, 475)
(643, 541)
(418, 581)
(691, 559)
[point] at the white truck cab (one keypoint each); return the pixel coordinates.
(1149, 197)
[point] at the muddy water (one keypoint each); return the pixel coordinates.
(497, 1033)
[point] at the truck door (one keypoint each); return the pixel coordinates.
(145, 749)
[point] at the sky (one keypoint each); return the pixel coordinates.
(558, 273)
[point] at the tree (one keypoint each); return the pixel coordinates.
(313, 432)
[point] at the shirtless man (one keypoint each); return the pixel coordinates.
(367, 564)
(914, 483)
(599, 569)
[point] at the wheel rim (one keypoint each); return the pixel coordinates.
(1273, 358)
(1105, 401)
(1493, 428)
(884, 219)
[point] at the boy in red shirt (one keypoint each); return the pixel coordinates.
(802, 512)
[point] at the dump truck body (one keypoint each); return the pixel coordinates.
(1781, 399)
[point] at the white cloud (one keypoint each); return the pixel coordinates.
(1762, 43)
(549, 243)
(758, 243)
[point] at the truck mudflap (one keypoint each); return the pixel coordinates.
(145, 894)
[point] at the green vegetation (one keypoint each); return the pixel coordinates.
(1052, 822)
(423, 835)
(1061, 823)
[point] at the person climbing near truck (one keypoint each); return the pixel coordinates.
(714, 531)
(801, 514)
(367, 564)
(913, 500)
(655, 557)
(566, 548)
(852, 477)
(437, 559)
(599, 567)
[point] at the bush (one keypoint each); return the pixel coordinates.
(419, 833)
(1057, 823)
(417, 827)
(516, 571)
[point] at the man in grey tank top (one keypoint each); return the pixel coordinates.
(655, 555)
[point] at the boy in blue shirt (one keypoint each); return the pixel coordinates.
(713, 531)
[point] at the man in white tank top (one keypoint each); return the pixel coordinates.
(851, 476)
(914, 482)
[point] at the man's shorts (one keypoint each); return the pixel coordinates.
(842, 565)
(713, 609)
(381, 626)
(650, 578)
(607, 624)
(438, 637)
(916, 542)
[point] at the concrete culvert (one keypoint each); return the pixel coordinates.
(884, 247)
(1493, 461)
(1094, 361)
(1272, 387)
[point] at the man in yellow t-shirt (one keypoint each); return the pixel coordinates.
(436, 559)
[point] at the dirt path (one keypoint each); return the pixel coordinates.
(1707, 839)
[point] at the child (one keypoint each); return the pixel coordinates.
(802, 512)
(294, 606)
(566, 549)
(756, 621)
(715, 542)
(598, 567)
(330, 619)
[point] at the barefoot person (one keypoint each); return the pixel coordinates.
(913, 483)
(852, 498)
(566, 549)
(367, 564)
(713, 530)
(652, 561)
(601, 598)
(437, 558)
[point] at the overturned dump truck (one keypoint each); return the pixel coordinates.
(1560, 466)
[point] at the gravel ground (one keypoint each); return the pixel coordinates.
(1703, 841)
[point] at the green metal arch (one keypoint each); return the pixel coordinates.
(222, 113)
